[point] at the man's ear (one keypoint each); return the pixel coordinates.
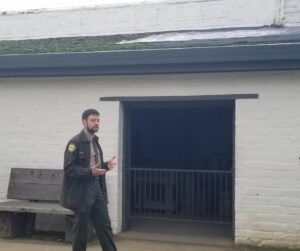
(84, 122)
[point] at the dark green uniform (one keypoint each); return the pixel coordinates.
(86, 195)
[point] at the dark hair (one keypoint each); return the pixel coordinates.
(89, 112)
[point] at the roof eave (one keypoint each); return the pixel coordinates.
(157, 61)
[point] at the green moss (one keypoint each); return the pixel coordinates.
(107, 43)
(73, 44)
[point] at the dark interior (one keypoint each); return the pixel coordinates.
(191, 137)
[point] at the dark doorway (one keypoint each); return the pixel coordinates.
(179, 163)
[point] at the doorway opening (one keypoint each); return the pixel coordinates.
(179, 165)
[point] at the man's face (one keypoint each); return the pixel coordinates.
(92, 123)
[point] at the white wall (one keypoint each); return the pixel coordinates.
(39, 115)
(267, 166)
(291, 12)
(138, 18)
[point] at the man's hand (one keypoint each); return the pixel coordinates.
(111, 163)
(96, 171)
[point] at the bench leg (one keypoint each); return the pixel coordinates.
(29, 223)
(11, 224)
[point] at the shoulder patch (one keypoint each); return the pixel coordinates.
(71, 147)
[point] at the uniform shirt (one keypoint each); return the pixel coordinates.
(90, 138)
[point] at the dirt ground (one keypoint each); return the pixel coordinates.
(123, 245)
(21, 244)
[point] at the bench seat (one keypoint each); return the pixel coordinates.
(34, 207)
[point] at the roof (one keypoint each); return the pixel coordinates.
(159, 40)
(266, 49)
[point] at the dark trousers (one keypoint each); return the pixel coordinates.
(97, 213)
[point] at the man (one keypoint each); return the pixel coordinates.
(84, 187)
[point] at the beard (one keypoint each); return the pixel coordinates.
(93, 130)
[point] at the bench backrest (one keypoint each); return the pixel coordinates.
(35, 184)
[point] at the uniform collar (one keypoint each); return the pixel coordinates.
(84, 137)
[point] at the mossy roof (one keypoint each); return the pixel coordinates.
(113, 42)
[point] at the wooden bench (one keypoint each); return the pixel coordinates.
(33, 192)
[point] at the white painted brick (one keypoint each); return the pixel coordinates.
(264, 235)
(168, 15)
(291, 12)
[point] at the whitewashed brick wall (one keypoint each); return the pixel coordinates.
(291, 12)
(267, 166)
(39, 115)
(139, 18)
